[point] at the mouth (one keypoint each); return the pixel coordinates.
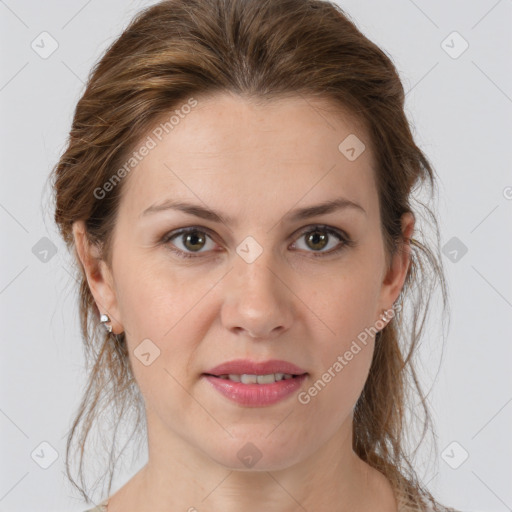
(245, 378)
(253, 383)
(252, 390)
(251, 370)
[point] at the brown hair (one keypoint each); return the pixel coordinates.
(260, 49)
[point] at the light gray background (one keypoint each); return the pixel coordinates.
(461, 113)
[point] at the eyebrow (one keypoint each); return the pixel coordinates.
(202, 212)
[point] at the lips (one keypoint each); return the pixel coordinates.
(248, 367)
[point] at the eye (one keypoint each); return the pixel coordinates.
(194, 239)
(321, 236)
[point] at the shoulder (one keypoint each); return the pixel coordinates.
(422, 507)
(102, 507)
(407, 503)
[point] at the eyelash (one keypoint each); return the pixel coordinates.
(346, 241)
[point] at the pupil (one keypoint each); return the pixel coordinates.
(193, 237)
(315, 236)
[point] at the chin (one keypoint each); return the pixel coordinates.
(254, 453)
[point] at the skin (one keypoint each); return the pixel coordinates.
(254, 163)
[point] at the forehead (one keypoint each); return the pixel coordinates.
(236, 150)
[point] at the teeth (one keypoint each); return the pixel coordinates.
(257, 379)
(249, 379)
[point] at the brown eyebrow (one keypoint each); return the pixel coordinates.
(295, 215)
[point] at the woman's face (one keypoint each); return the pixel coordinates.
(257, 280)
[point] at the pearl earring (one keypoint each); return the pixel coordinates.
(104, 319)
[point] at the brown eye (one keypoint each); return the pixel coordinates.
(320, 237)
(186, 242)
(193, 240)
(317, 240)
(189, 242)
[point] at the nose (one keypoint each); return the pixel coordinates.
(257, 301)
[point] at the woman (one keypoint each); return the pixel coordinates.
(237, 191)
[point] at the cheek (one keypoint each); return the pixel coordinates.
(347, 308)
(333, 391)
(159, 311)
(154, 298)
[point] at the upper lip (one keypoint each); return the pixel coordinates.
(245, 366)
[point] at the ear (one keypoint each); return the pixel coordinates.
(395, 276)
(99, 276)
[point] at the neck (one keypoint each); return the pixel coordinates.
(179, 476)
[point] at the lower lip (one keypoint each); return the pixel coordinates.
(256, 395)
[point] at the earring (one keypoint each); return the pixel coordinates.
(384, 318)
(104, 319)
